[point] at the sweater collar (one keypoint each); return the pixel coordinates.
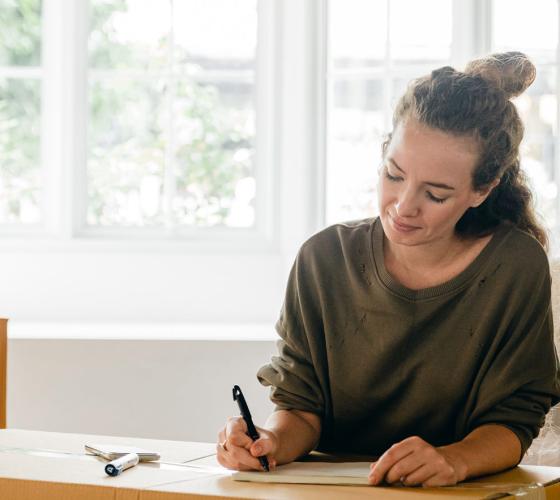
(459, 281)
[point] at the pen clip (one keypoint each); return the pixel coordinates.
(238, 396)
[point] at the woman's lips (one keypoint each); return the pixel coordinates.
(404, 228)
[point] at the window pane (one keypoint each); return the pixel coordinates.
(537, 107)
(20, 173)
(215, 128)
(178, 148)
(354, 149)
(398, 88)
(126, 153)
(428, 40)
(358, 32)
(215, 34)
(529, 27)
(129, 33)
(20, 32)
(359, 113)
(533, 29)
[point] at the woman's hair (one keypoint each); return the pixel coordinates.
(477, 103)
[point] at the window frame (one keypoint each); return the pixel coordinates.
(59, 273)
(471, 37)
(464, 34)
(64, 114)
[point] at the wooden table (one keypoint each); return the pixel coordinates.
(54, 466)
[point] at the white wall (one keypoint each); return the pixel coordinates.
(140, 286)
(178, 390)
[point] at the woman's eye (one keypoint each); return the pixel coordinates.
(435, 198)
(430, 196)
(391, 177)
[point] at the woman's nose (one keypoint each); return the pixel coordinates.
(407, 204)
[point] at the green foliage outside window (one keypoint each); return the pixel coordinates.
(20, 45)
(131, 125)
(20, 32)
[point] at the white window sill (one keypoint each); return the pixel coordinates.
(43, 330)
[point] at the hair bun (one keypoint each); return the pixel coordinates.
(512, 72)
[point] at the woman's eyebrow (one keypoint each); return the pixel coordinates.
(435, 184)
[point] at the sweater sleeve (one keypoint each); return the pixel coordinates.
(521, 382)
(292, 375)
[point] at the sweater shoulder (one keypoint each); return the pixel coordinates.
(522, 252)
(338, 238)
(521, 262)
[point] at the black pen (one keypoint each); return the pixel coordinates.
(246, 414)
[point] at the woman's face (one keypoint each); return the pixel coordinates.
(425, 184)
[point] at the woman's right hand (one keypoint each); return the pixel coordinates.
(237, 451)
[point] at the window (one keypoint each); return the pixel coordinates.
(102, 156)
(376, 47)
(533, 28)
(161, 130)
(20, 115)
(171, 137)
(134, 115)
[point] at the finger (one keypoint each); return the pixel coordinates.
(231, 464)
(388, 459)
(221, 456)
(440, 479)
(222, 435)
(262, 446)
(236, 432)
(236, 458)
(231, 450)
(235, 424)
(221, 450)
(239, 439)
(370, 475)
(419, 476)
(241, 459)
(404, 467)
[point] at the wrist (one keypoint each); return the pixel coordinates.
(455, 457)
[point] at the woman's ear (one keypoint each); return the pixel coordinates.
(481, 195)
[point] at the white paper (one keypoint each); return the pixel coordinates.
(312, 473)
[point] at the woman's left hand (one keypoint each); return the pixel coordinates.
(415, 462)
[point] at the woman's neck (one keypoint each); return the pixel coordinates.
(425, 266)
(425, 257)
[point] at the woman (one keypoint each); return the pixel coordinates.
(423, 336)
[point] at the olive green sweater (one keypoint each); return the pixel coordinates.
(379, 362)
